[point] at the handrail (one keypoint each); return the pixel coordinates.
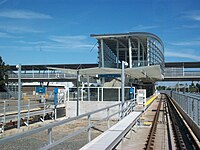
(54, 124)
(188, 102)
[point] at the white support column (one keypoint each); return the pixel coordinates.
(130, 52)
(117, 54)
(88, 82)
(102, 54)
(148, 52)
(143, 56)
(102, 94)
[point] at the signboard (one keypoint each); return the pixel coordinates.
(40, 89)
(109, 75)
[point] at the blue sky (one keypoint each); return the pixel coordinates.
(58, 31)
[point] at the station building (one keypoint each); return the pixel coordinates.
(138, 49)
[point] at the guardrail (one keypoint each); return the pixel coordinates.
(189, 102)
(123, 110)
(28, 108)
(42, 75)
(97, 93)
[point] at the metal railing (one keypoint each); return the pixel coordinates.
(29, 108)
(42, 75)
(189, 102)
(97, 93)
(180, 72)
(123, 110)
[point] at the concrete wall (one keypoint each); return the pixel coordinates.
(88, 106)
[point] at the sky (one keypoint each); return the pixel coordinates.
(58, 31)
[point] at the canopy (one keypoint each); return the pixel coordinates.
(144, 73)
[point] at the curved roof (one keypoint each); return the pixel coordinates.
(140, 34)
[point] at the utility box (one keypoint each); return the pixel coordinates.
(141, 96)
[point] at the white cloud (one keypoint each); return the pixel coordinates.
(3, 1)
(182, 55)
(192, 15)
(6, 35)
(143, 27)
(186, 43)
(67, 39)
(192, 26)
(23, 14)
(72, 42)
(18, 29)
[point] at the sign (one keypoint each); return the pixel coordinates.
(109, 75)
(40, 89)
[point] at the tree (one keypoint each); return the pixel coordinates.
(198, 86)
(3, 74)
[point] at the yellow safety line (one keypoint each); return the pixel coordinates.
(150, 100)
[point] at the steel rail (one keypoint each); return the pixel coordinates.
(183, 136)
(153, 128)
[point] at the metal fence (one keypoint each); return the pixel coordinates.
(29, 106)
(123, 110)
(189, 102)
(174, 72)
(42, 75)
(97, 94)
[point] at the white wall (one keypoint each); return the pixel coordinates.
(88, 106)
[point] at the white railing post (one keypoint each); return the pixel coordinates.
(119, 96)
(98, 94)
(19, 95)
(68, 94)
(102, 94)
(89, 130)
(108, 118)
(82, 94)
(49, 135)
(28, 111)
(44, 110)
(4, 112)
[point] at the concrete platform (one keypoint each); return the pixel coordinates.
(112, 136)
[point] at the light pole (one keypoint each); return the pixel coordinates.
(19, 95)
(122, 84)
(77, 84)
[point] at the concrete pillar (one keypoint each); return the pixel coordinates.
(102, 54)
(130, 52)
(117, 54)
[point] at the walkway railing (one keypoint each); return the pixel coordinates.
(28, 108)
(123, 110)
(180, 72)
(189, 102)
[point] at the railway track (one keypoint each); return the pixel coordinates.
(179, 135)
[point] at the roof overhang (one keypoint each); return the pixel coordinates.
(147, 73)
(129, 34)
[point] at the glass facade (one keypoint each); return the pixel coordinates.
(136, 48)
